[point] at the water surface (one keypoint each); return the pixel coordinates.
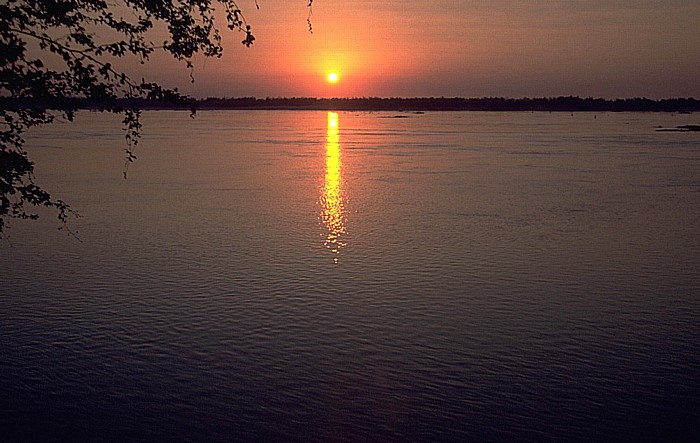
(314, 276)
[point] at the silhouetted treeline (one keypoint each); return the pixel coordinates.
(554, 104)
(564, 104)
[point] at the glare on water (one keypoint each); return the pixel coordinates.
(332, 192)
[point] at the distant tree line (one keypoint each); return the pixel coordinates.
(567, 104)
(552, 104)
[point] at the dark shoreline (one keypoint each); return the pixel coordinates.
(553, 104)
(557, 104)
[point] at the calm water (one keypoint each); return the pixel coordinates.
(306, 276)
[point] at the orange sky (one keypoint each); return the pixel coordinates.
(456, 48)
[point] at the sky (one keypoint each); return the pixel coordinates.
(412, 48)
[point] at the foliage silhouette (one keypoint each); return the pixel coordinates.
(53, 52)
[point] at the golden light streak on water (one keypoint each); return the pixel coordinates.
(332, 192)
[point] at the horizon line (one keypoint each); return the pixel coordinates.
(443, 97)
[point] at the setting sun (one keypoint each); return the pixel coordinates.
(332, 77)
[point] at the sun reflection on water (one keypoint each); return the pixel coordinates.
(332, 192)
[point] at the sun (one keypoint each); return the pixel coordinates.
(332, 77)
